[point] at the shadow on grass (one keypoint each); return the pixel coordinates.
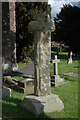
(14, 73)
(76, 66)
(70, 78)
(12, 110)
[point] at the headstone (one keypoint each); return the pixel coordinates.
(42, 99)
(6, 92)
(56, 61)
(56, 80)
(70, 58)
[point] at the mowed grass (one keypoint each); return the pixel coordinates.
(18, 78)
(21, 65)
(68, 93)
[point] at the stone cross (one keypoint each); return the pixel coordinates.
(56, 80)
(43, 100)
(56, 61)
(13, 34)
(8, 37)
(41, 28)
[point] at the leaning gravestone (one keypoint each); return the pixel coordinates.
(6, 92)
(42, 100)
(56, 80)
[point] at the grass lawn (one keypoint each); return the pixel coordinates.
(21, 65)
(68, 94)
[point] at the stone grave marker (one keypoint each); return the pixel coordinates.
(42, 100)
(6, 92)
(56, 80)
(70, 58)
(56, 61)
(25, 86)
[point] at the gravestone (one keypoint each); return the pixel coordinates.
(6, 92)
(42, 100)
(25, 86)
(70, 58)
(56, 61)
(56, 80)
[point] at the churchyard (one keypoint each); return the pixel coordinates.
(49, 86)
(67, 92)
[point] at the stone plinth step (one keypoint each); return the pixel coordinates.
(38, 105)
(56, 80)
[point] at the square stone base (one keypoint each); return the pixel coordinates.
(38, 105)
(56, 80)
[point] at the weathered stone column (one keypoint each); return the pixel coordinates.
(13, 35)
(41, 28)
(8, 37)
(6, 41)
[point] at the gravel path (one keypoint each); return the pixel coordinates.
(28, 70)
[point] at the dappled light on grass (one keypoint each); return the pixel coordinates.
(68, 93)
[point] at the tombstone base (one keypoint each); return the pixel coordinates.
(38, 105)
(56, 80)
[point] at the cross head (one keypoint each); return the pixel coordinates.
(56, 61)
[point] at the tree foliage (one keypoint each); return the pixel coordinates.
(67, 25)
(26, 12)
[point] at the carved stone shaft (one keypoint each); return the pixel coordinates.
(41, 28)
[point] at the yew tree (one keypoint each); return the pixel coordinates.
(26, 12)
(67, 25)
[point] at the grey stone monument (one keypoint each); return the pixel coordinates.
(42, 100)
(6, 92)
(13, 35)
(70, 58)
(56, 80)
(9, 61)
(56, 61)
(42, 38)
